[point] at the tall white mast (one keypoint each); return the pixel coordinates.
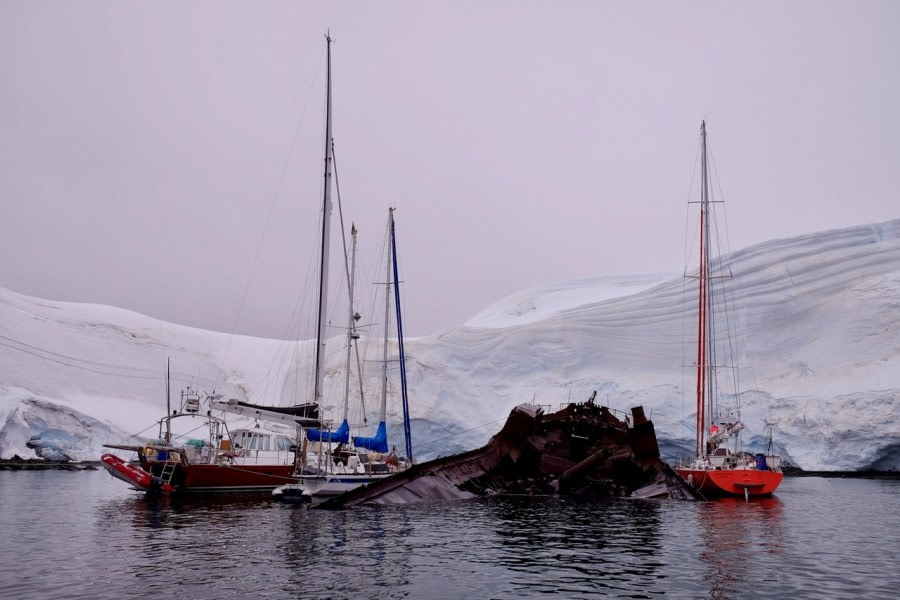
(326, 237)
(387, 318)
(351, 322)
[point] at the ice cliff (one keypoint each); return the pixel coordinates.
(819, 314)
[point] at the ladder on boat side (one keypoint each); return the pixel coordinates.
(168, 471)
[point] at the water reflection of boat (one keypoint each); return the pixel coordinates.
(720, 465)
(735, 534)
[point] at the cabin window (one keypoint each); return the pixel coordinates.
(259, 442)
(283, 443)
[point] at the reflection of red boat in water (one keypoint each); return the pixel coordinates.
(740, 544)
(217, 460)
(718, 470)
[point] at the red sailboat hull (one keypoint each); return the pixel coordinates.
(230, 478)
(199, 478)
(732, 482)
(721, 472)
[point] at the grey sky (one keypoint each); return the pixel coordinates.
(142, 145)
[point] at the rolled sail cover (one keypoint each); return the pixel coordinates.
(341, 436)
(309, 411)
(376, 443)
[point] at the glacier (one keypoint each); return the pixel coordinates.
(818, 313)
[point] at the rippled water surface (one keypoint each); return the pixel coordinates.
(86, 535)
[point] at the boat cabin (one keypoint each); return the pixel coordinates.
(718, 457)
(252, 446)
(259, 440)
(244, 446)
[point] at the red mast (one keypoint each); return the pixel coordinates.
(701, 335)
(726, 472)
(702, 354)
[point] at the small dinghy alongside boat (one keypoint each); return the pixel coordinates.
(135, 476)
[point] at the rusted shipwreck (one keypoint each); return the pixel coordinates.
(583, 450)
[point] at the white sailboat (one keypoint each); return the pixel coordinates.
(327, 463)
(335, 467)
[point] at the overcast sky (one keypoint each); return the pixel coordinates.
(144, 146)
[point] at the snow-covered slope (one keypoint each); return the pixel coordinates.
(819, 313)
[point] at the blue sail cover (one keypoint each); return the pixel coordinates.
(376, 443)
(341, 436)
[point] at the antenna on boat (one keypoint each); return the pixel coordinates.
(168, 403)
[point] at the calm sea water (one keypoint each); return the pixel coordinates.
(86, 535)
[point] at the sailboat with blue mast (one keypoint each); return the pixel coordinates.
(378, 442)
(338, 466)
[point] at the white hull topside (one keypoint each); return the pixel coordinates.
(328, 485)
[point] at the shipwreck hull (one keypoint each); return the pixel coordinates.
(582, 450)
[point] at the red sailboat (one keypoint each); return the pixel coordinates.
(195, 450)
(720, 466)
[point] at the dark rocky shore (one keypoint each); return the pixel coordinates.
(17, 463)
(861, 474)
